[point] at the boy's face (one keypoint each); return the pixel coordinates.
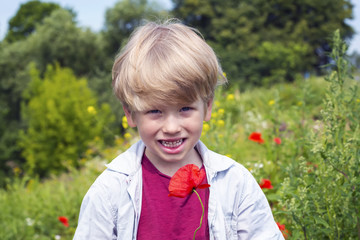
(170, 132)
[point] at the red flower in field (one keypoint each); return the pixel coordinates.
(277, 140)
(283, 230)
(281, 227)
(266, 183)
(64, 221)
(185, 180)
(256, 137)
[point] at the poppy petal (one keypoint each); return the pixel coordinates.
(256, 137)
(185, 180)
(266, 183)
(64, 221)
(203, 186)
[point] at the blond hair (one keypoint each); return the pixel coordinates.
(165, 63)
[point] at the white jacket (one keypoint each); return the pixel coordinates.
(238, 208)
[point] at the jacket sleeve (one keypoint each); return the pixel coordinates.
(97, 219)
(255, 219)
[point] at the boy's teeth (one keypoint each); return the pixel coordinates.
(172, 144)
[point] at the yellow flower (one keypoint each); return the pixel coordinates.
(124, 122)
(82, 161)
(16, 171)
(89, 151)
(358, 100)
(127, 136)
(214, 115)
(224, 74)
(300, 103)
(206, 127)
(221, 111)
(228, 155)
(217, 103)
(118, 141)
(220, 123)
(271, 102)
(91, 110)
(230, 97)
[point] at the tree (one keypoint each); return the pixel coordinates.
(63, 117)
(14, 79)
(56, 40)
(29, 14)
(355, 60)
(123, 18)
(246, 33)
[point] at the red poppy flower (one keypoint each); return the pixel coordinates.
(256, 137)
(277, 140)
(283, 230)
(186, 179)
(281, 227)
(64, 221)
(266, 183)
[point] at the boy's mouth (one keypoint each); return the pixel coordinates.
(172, 144)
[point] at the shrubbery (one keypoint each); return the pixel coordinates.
(63, 118)
(322, 191)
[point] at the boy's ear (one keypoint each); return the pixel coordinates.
(208, 109)
(129, 117)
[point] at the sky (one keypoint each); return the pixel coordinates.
(91, 13)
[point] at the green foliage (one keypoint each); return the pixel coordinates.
(27, 17)
(285, 111)
(30, 208)
(322, 195)
(59, 40)
(284, 59)
(240, 32)
(56, 39)
(355, 61)
(62, 117)
(123, 18)
(13, 82)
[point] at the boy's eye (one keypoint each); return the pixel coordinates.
(184, 109)
(153, 111)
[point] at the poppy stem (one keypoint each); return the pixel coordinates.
(202, 215)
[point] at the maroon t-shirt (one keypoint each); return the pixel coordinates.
(164, 217)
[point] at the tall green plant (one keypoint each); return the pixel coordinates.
(324, 200)
(62, 117)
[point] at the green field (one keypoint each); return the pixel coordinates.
(307, 170)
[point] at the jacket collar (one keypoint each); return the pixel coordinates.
(129, 162)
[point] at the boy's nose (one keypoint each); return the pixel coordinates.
(171, 125)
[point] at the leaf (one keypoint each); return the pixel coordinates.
(321, 221)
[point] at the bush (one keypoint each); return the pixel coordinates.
(62, 117)
(321, 194)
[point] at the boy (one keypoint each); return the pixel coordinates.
(165, 78)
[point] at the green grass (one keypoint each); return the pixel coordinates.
(30, 208)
